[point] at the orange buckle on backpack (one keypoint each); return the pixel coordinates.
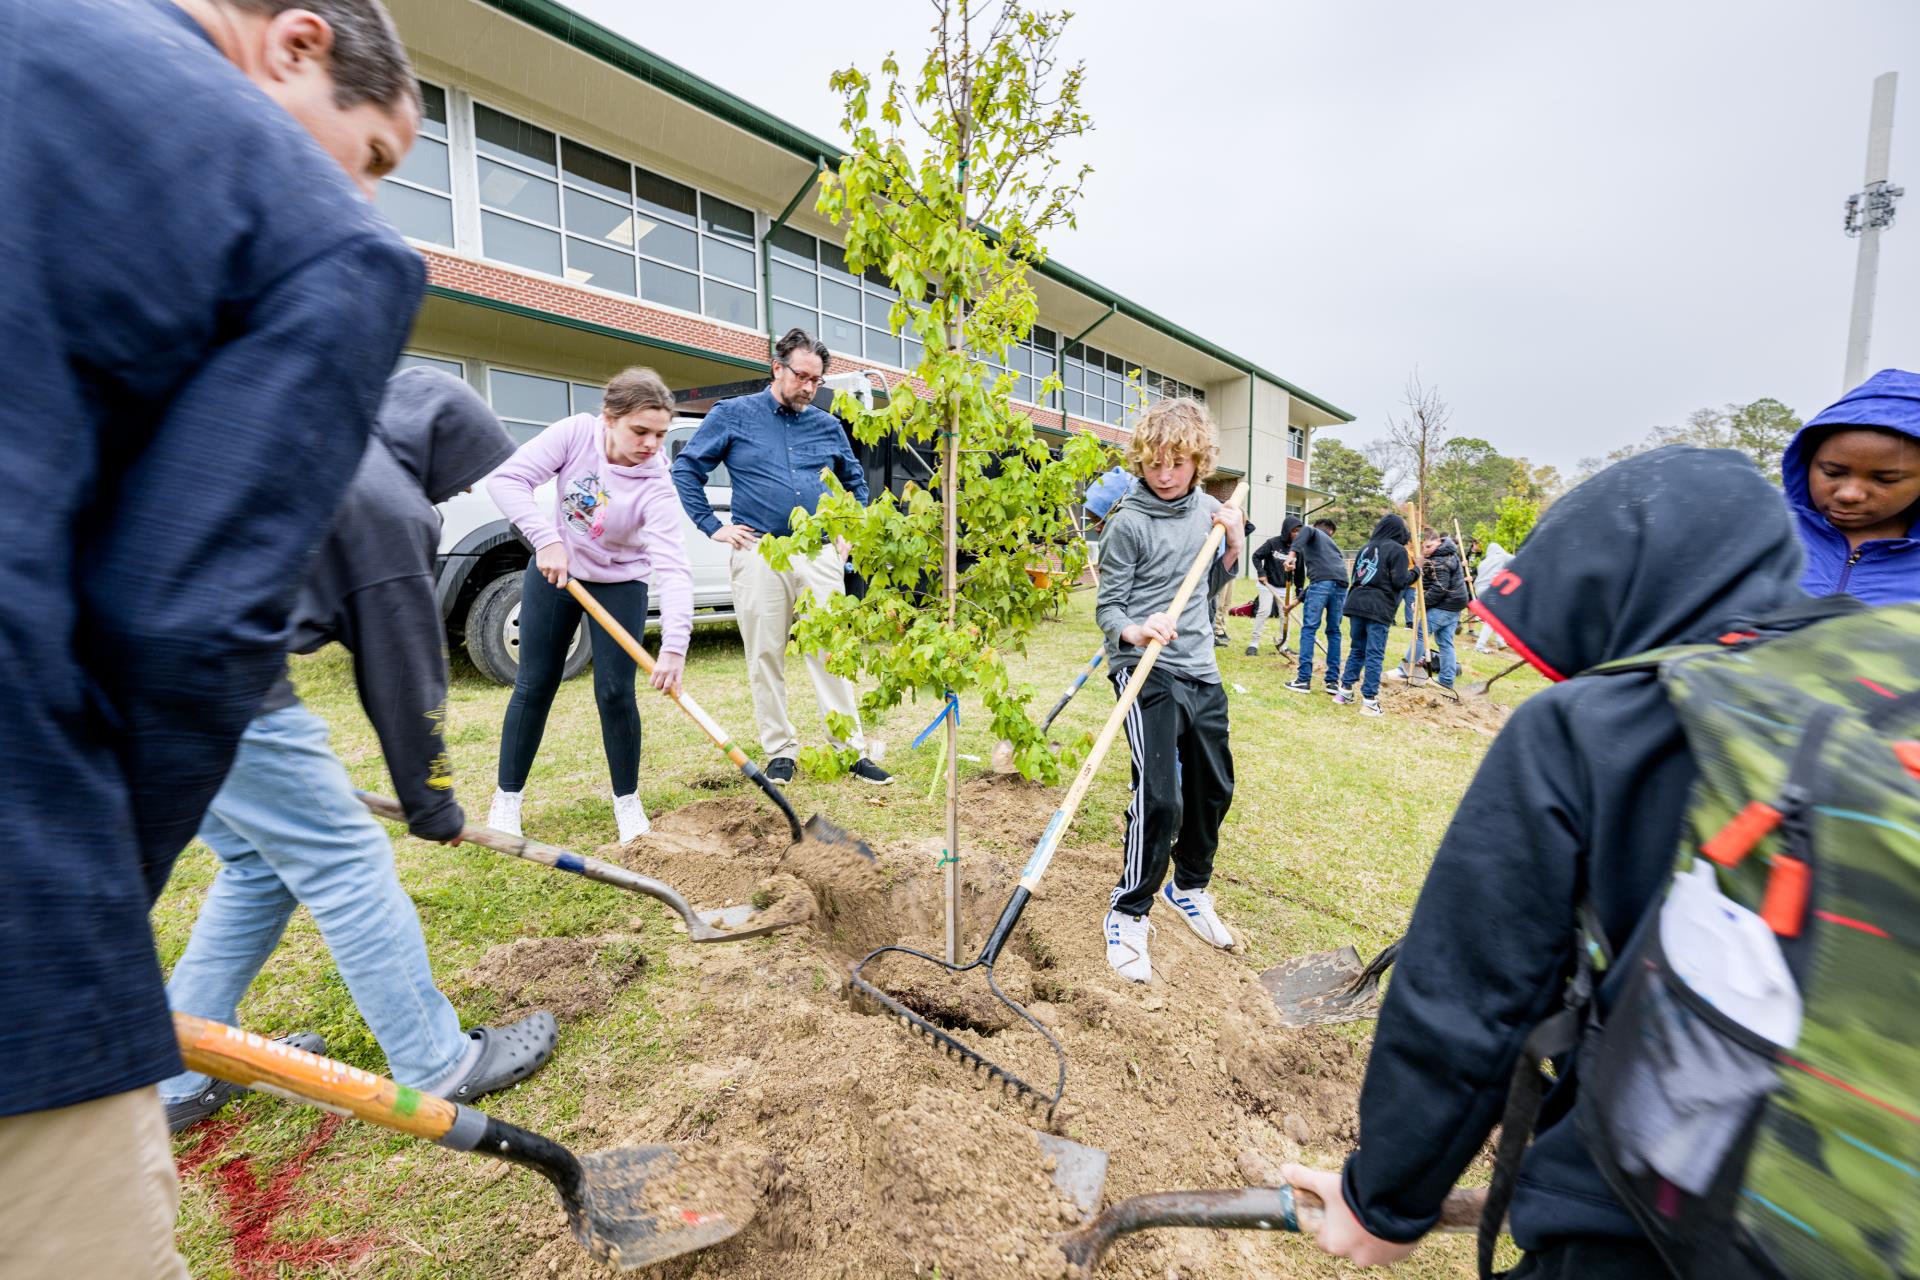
(1736, 840)
(1908, 754)
(1785, 907)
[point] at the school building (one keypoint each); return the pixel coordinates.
(583, 204)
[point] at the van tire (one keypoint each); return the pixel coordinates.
(493, 633)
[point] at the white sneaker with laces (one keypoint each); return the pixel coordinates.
(1127, 946)
(1196, 908)
(1370, 707)
(504, 813)
(632, 819)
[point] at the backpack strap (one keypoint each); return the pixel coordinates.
(1527, 1090)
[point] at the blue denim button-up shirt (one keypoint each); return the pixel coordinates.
(775, 457)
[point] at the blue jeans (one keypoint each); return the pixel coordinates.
(1406, 600)
(1368, 654)
(288, 831)
(1443, 623)
(1322, 597)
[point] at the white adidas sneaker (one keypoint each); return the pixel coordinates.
(1196, 908)
(1127, 946)
(504, 813)
(630, 816)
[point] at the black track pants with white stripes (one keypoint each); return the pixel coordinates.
(1182, 785)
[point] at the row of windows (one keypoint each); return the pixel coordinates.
(560, 207)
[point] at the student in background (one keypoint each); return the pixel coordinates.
(1315, 553)
(1444, 580)
(1271, 569)
(1384, 569)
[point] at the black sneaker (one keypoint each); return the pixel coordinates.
(867, 771)
(218, 1093)
(1299, 686)
(780, 770)
(1253, 651)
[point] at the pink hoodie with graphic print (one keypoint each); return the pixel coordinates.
(619, 524)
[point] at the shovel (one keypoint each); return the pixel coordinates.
(1003, 750)
(1281, 1208)
(1328, 986)
(816, 828)
(1484, 687)
(614, 1214)
(720, 924)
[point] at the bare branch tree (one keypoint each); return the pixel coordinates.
(1417, 435)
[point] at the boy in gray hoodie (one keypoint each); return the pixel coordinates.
(1177, 726)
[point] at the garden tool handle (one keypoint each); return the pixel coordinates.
(244, 1057)
(1057, 825)
(1459, 1212)
(708, 725)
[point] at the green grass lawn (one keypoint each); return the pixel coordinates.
(1334, 821)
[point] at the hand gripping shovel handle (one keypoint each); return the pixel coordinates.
(548, 855)
(708, 725)
(242, 1057)
(1281, 1208)
(1050, 839)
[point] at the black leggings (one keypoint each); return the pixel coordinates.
(548, 616)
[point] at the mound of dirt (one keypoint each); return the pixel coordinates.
(894, 1160)
(568, 977)
(1428, 704)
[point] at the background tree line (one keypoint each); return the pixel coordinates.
(1492, 496)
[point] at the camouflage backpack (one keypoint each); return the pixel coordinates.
(1738, 1155)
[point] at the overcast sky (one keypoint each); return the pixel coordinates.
(1579, 221)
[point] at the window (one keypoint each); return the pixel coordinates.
(1031, 360)
(528, 403)
(567, 209)
(1297, 443)
(418, 197)
(1295, 510)
(1097, 387)
(814, 290)
(412, 361)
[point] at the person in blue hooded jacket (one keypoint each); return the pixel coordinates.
(1852, 477)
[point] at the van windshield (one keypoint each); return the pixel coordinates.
(677, 440)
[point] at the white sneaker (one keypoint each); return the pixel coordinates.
(1196, 908)
(632, 819)
(1398, 673)
(1370, 707)
(504, 813)
(1127, 946)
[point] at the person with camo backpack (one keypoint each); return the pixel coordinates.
(1580, 801)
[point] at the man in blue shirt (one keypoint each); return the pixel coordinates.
(200, 314)
(775, 444)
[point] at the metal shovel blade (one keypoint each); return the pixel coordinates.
(630, 1212)
(1327, 986)
(1079, 1171)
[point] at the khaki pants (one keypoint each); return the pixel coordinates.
(89, 1191)
(764, 600)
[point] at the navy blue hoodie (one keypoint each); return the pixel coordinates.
(1886, 570)
(1382, 570)
(1581, 796)
(198, 313)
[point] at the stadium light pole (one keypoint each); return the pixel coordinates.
(1869, 212)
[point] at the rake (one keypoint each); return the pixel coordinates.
(1030, 877)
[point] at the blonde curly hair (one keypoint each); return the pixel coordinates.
(1179, 428)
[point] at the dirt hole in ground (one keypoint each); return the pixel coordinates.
(895, 1159)
(569, 977)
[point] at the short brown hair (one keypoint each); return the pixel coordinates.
(633, 389)
(368, 62)
(1179, 427)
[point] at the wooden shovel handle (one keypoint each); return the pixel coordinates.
(624, 638)
(243, 1057)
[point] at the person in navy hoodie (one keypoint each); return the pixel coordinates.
(1852, 477)
(201, 308)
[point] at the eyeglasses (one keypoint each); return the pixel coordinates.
(804, 379)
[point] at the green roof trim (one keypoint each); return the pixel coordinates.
(589, 326)
(590, 37)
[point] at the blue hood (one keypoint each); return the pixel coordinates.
(1887, 570)
(1889, 399)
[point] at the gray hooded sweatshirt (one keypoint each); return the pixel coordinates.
(371, 585)
(1148, 547)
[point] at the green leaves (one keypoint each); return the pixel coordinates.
(952, 202)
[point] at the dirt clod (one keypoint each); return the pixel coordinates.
(568, 977)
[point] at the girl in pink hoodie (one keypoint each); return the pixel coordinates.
(615, 525)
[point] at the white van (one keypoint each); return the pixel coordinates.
(482, 556)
